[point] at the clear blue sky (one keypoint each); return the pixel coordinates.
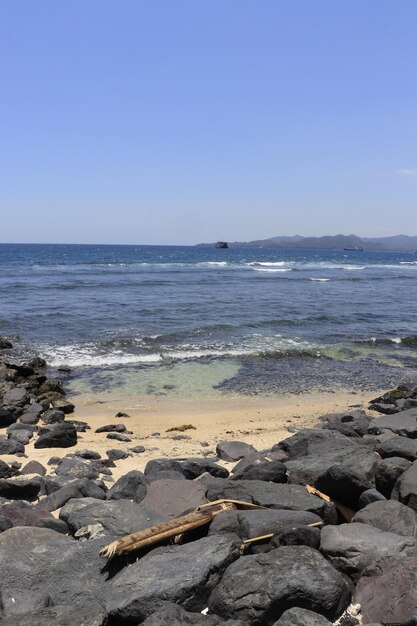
(178, 121)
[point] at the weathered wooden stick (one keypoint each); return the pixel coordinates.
(154, 534)
(347, 513)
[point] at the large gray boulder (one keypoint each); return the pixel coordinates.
(63, 435)
(170, 498)
(259, 588)
(171, 614)
(45, 562)
(279, 496)
(92, 613)
(388, 472)
(313, 442)
(354, 547)
(73, 467)
(389, 516)
(387, 592)
(10, 446)
(16, 397)
(233, 450)
(118, 517)
(130, 486)
(182, 574)
(398, 447)
(405, 489)
(81, 488)
(302, 617)
(403, 423)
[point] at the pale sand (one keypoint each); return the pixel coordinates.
(260, 421)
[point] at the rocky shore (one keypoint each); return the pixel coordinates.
(319, 529)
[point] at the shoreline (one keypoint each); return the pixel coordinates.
(260, 421)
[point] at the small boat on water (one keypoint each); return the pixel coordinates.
(222, 244)
(354, 249)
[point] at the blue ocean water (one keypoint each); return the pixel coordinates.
(184, 320)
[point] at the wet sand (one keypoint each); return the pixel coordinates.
(260, 421)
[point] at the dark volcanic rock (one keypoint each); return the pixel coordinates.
(63, 405)
(390, 516)
(172, 497)
(53, 416)
(405, 489)
(398, 447)
(23, 514)
(137, 449)
(120, 517)
(16, 397)
(91, 613)
(80, 488)
(299, 536)
(15, 489)
(5, 524)
(62, 435)
(111, 428)
(388, 592)
(118, 437)
(131, 486)
(259, 522)
(5, 344)
(74, 467)
(273, 471)
(6, 471)
(233, 450)
(52, 385)
(342, 474)
(193, 468)
(259, 588)
(182, 574)
(357, 421)
(158, 465)
(354, 547)
(388, 472)
(11, 446)
(115, 454)
(46, 562)
(313, 442)
(279, 496)
(302, 617)
(6, 418)
(90, 455)
(21, 435)
(368, 496)
(171, 614)
(403, 423)
(34, 467)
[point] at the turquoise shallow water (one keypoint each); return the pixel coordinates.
(190, 320)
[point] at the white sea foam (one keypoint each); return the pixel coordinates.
(270, 263)
(273, 270)
(320, 280)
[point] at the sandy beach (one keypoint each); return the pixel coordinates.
(260, 421)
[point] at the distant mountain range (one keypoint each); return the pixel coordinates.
(396, 243)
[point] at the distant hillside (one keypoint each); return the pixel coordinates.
(397, 243)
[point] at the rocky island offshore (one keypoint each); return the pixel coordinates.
(318, 529)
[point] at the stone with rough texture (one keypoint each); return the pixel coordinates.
(258, 589)
(182, 574)
(74, 467)
(16, 397)
(46, 562)
(398, 447)
(273, 471)
(233, 450)
(154, 466)
(173, 497)
(130, 486)
(368, 496)
(80, 488)
(11, 446)
(354, 547)
(6, 418)
(388, 472)
(6, 471)
(301, 617)
(171, 614)
(403, 423)
(389, 516)
(63, 435)
(405, 489)
(15, 489)
(279, 496)
(118, 517)
(192, 468)
(90, 614)
(313, 442)
(387, 592)
(22, 513)
(53, 416)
